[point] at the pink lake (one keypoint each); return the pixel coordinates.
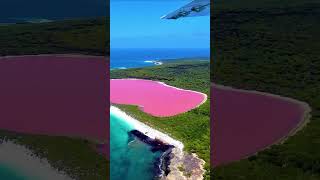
(63, 95)
(153, 97)
(246, 122)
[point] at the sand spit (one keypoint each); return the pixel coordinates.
(24, 161)
(182, 165)
(257, 121)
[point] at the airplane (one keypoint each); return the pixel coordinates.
(194, 8)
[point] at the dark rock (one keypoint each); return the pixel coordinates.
(161, 165)
(156, 144)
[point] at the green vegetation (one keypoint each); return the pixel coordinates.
(70, 36)
(77, 157)
(181, 168)
(193, 127)
(272, 46)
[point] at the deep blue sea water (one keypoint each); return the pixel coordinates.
(129, 158)
(130, 58)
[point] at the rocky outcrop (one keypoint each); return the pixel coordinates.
(184, 166)
(174, 164)
(156, 144)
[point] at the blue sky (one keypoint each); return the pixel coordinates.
(137, 24)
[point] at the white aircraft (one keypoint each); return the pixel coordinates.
(195, 8)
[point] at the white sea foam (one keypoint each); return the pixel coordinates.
(143, 128)
(155, 62)
(148, 61)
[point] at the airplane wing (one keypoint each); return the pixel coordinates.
(195, 8)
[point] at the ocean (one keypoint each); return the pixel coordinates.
(130, 158)
(132, 58)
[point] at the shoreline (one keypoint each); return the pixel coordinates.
(23, 160)
(304, 118)
(145, 129)
(205, 96)
(179, 164)
(154, 62)
(163, 162)
(156, 145)
(162, 62)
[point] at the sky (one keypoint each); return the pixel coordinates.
(137, 24)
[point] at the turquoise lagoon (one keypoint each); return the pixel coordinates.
(10, 173)
(129, 158)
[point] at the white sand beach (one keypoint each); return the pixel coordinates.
(148, 131)
(193, 164)
(24, 161)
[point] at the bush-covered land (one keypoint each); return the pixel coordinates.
(83, 36)
(193, 127)
(77, 157)
(272, 46)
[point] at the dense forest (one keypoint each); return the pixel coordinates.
(271, 46)
(82, 36)
(74, 156)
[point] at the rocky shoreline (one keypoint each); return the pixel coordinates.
(173, 164)
(185, 166)
(161, 166)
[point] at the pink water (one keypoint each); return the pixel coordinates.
(54, 95)
(154, 98)
(244, 123)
